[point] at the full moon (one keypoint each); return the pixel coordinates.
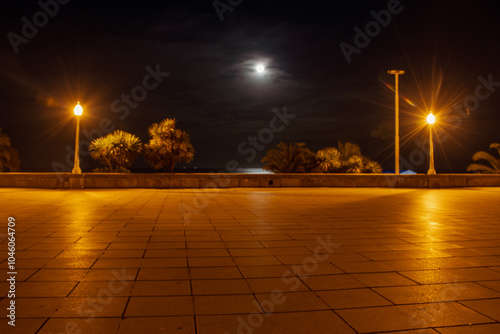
(260, 68)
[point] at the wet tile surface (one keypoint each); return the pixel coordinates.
(255, 260)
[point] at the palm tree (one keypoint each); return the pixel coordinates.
(372, 167)
(347, 158)
(354, 164)
(117, 150)
(328, 160)
(289, 158)
(168, 146)
(481, 155)
(347, 150)
(9, 156)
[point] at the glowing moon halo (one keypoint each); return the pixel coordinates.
(260, 68)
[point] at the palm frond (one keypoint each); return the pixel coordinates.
(481, 155)
(495, 145)
(481, 169)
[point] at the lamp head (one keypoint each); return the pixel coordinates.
(396, 72)
(431, 118)
(78, 109)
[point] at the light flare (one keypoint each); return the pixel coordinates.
(391, 87)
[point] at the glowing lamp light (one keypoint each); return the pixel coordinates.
(78, 109)
(431, 118)
(260, 68)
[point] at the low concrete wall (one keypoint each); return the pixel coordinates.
(225, 180)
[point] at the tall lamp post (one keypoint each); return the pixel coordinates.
(78, 112)
(431, 119)
(396, 73)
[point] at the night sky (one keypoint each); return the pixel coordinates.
(97, 52)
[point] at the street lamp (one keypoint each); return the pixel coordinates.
(78, 112)
(396, 73)
(431, 119)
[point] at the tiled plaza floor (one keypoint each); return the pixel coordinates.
(254, 261)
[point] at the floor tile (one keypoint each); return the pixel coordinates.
(220, 287)
(23, 326)
(226, 304)
(159, 306)
(475, 329)
(354, 298)
(44, 289)
(291, 301)
(81, 325)
(287, 284)
(320, 322)
(264, 271)
(488, 307)
(436, 293)
(452, 275)
(383, 279)
(332, 282)
(175, 324)
(394, 318)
